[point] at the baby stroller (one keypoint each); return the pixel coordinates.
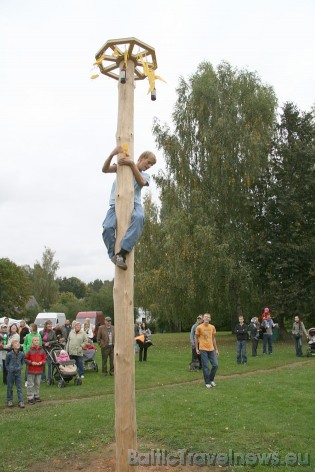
(89, 358)
(311, 342)
(62, 372)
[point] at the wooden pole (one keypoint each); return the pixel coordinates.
(125, 407)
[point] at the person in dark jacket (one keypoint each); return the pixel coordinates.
(14, 362)
(23, 331)
(49, 339)
(254, 330)
(241, 338)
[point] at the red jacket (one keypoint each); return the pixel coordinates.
(35, 354)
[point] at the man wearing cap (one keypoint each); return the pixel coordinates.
(106, 341)
(195, 358)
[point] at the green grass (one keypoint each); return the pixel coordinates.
(262, 407)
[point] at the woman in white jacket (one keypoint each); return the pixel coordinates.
(77, 340)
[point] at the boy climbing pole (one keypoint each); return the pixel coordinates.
(145, 161)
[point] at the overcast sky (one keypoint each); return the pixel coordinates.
(57, 125)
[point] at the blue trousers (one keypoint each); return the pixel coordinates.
(207, 356)
(14, 378)
(132, 234)
(267, 339)
(241, 356)
(79, 363)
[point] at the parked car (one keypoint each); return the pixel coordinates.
(55, 318)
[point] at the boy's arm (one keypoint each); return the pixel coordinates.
(142, 181)
(107, 166)
(197, 342)
(215, 344)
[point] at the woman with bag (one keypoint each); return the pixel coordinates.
(297, 331)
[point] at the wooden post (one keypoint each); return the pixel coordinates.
(125, 408)
(139, 59)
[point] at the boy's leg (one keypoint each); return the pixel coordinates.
(238, 352)
(134, 231)
(244, 353)
(18, 383)
(214, 364)
(37, 378)
(10, 382)
(109, 231)
(205, 366)
(30, 386)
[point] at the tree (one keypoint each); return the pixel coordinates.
(14, 289)
(44, 284)
(102, 300)
(69, 304)
(285, 216)
(72, 284)
(223, 129)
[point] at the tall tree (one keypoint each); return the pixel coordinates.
(14, 289)
(223, 125)
(285, 209)
(44, 283)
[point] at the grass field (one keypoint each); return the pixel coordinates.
(265, 407)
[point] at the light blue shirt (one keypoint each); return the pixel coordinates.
(137, 189)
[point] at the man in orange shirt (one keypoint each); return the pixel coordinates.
(206, 345)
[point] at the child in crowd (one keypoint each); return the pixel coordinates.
(63, 357)
(14, 362)
(35, 359)
(241, 337)
(28, 342)
(141, 179)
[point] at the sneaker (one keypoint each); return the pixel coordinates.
(213, 384)
(119, 261)
(82, 376)
(10, 404)
(31, 401)
(21, 405)
(25, 384)
(37, 399)
(208, 385)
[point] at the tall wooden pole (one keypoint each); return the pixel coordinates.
(140, 64)
(125, 408)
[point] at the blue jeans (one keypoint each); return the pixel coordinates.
(267, 340)
(79, 363)
(14, 378)
(207, 356)
(298, 346)
(241, 356)
(48, 362)
(132, 234)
